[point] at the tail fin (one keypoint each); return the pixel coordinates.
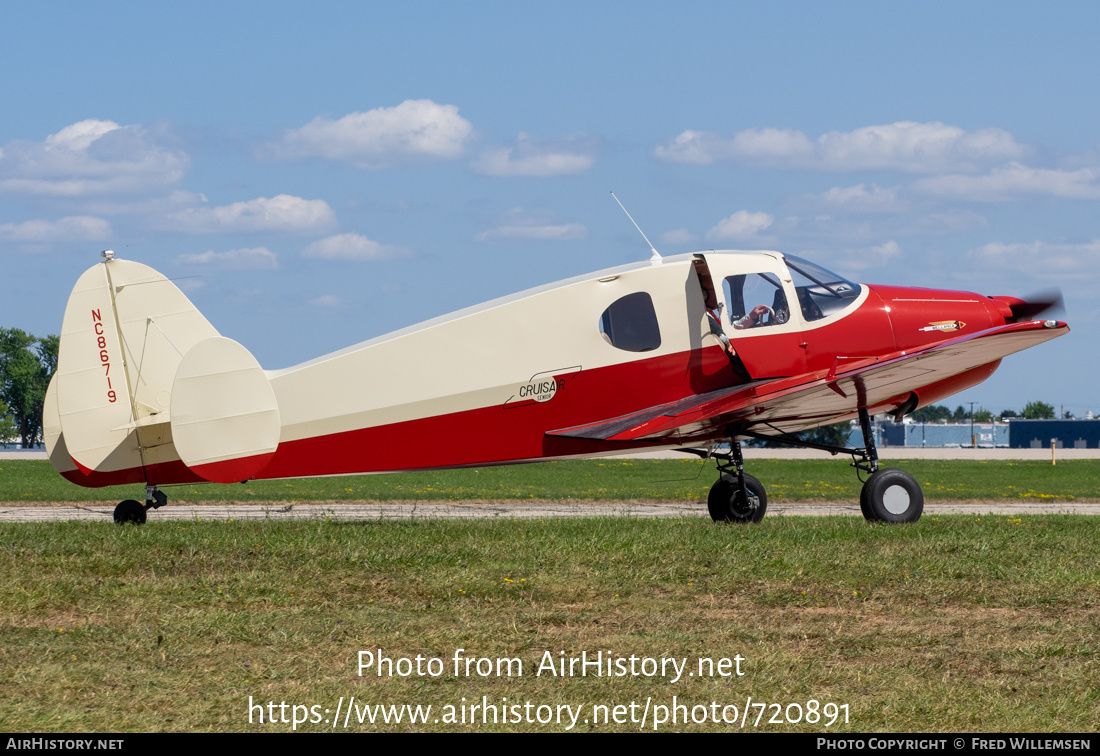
(125, 334)
(56, 450)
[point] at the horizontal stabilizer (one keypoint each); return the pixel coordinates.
(225, 419)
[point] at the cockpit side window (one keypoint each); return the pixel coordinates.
(820, 292)
(630, 323)
(755, 300)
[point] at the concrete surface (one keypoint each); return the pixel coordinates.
(366, 511)
(501, 510)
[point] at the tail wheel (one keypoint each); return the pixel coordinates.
(130, 511)
(726, 504)
(891, 496)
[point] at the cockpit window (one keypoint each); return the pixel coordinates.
(820, 292)
(755, 300)
(630, 323)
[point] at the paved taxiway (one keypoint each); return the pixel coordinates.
(447, 510)
(514, 510)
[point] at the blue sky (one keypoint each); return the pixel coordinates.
(319, 174)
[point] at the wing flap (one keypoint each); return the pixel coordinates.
(816, 398)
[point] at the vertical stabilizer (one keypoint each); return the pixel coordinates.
(125, 331)
(93, 395)
(56, 449)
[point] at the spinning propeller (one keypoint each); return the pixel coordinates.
(1035, 305)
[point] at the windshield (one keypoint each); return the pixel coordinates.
(820, 292)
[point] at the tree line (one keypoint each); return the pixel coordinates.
(26, 365)
(934, 413)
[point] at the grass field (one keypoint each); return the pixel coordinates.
(786, 480)
(957, 623)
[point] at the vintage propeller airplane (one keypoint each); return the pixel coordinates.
(684, 352)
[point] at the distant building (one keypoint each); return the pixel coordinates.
(984, 435)
(1015, 434)
(1067, 434)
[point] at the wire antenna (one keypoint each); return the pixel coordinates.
(655, 259)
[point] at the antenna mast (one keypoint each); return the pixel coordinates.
(655, 259)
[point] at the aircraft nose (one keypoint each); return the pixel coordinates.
(920, 317)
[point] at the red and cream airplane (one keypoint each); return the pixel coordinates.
(686, 352)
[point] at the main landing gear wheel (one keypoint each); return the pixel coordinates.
(130, 511)
(863, 505)
(726, 504)
(891, 496)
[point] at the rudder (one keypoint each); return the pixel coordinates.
(123, 337)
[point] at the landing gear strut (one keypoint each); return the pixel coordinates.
(887, 495)
(737, 496)
(135, 512)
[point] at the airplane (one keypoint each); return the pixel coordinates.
(685, 352)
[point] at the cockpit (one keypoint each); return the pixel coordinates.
(743, 294)
(754, 300)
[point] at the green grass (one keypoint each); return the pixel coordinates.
(957, 623)
(668, 480)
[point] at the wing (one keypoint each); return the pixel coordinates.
(805, 401)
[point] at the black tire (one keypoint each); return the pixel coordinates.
(892, 496)
(130, 511)
(867, 513)
(726, 504)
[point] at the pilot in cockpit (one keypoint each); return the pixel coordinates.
(757, 316)
(763, 315)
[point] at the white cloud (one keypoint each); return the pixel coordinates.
(861, 199)
(849, 231)
(280, 213)
(1041, 257)
(153, 205)
(704, 147)
(80, 135)
(539, 157)
(91, 157)
(887, 251)
(249, 258)
(854, 261)
(72, 228)
(902, 146)
(381, 137)
(549, 231)
(352, 247)
(948, 222)
(328, 301)
(678, 236)
(1014, 180)
(740, 225)
(523, 224)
